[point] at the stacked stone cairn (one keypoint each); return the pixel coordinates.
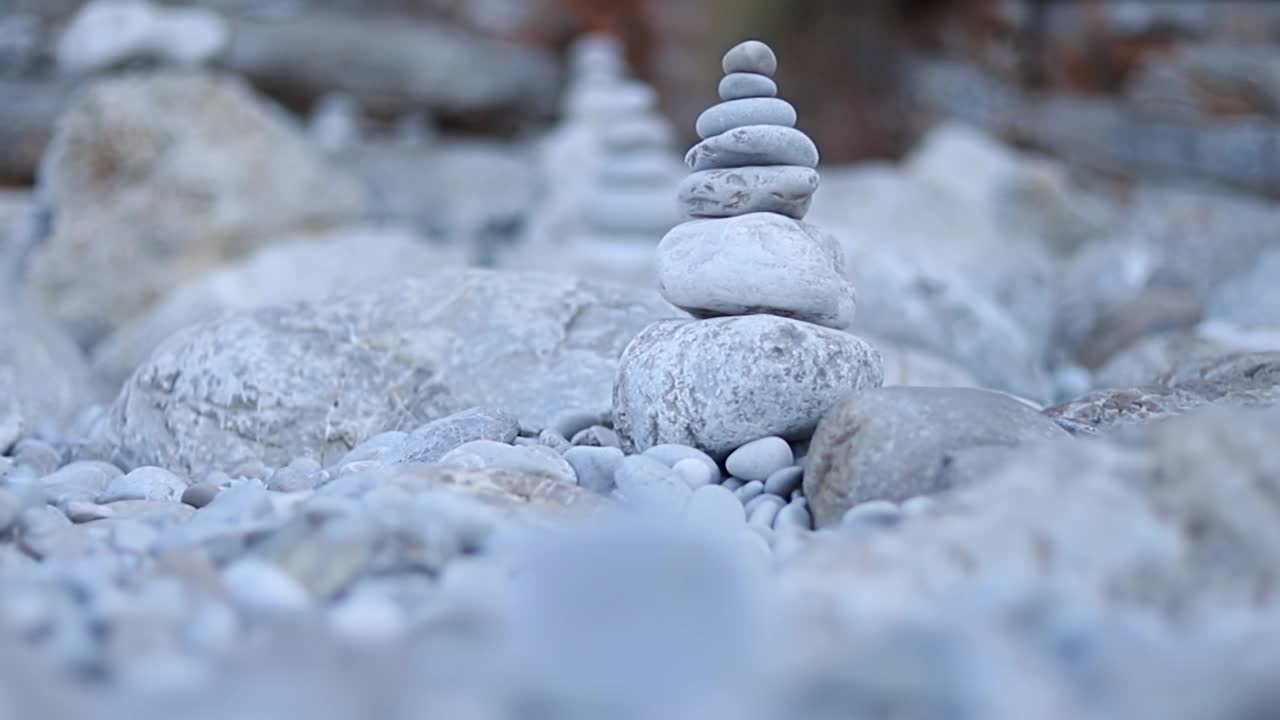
(767, 354)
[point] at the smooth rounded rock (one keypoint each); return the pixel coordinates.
(765, 511)
(786, 481)
(144, 483)
(694, 473)
(759, 459)
(873, 513)
(596, 436)
(714, 507)
(757, 263)
(783, 376)
(794, 515)
(650, 485)
(750, 491)
(671, 453)
(751, 56)
(200, 494)
(891, 443)
(739, 85)
(753, 145)
(729, 192)
(733, 114)
(432, 441)
(594, 466)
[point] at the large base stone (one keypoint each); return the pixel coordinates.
(717, 384)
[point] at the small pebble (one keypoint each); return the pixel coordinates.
(756, 501)
(525, 442)
(694, 472)
(669, 454)
(732, 484)
(144, 483)
(80, 511)
(713, 507)
(554, 440)
(875, 513)
(300, 474)
(38, 455)
(749, 491)
(784, 482)
(375, 448)
(648, 484)
(80, 480)
(759, 459)
(917, 504)
(252, 470)
(597, 436)
(751, 56)
(595, 466)
(736, 86)
(200, 494)
(766, 510)
(794, 515)
(261, 586)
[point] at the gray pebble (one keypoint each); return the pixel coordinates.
(299, 474)
(694, 472)
(554, 440)
(751, 56)
(261, 586)
(714, 507)
(38, 455)
(144, 483)
(200, 494)
(81, 511)
(523, 441)
(595, 466)
(759, 459)
(756, 501)
(730, 192)
(917, 504)
(572, 422)
(749, 491)
(753, 145)
(764, 512)
(874, 513)
(669, 454)
(784, 482)
(431, 442)
(733, 114)
(739, 85)
(732, 484)
(535, 459)
(651, 485)
(597, 436)
(794, 515)
(377, 447)
(81, 480)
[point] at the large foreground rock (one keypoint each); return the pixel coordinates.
(298, 269)
(153, 179)
(890, 443)
(720, 383)
(44, 380)
(316, 379)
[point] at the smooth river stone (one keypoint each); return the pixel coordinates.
(782, 375)
(783, 189)
(751, 56)
(736, 86)
(732, 114)
(757, 263)
(753, 145)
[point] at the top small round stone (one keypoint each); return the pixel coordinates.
(751, 56)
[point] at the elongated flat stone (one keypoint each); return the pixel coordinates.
(758, 263)
(731, 114)
(736, 86)
(783, 189)
(753, 145)
(751, 56)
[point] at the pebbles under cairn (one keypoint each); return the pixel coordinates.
(768, 354)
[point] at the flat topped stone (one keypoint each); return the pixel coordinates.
(736, 86)
(733, 114)
(751, 56)
(753, 145)
(729, 192)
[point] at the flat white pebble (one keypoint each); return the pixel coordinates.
(764, 512)
(749, 491)
(873, 512)
(736, 86)
(754, 502)
(794, 515)
(712, 506)
(732, 114)
(784, 482)
(694, 472)
(670, 454)
(759, 459)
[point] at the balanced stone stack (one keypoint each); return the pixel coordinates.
(768, 353)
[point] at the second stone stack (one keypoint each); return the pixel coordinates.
(768, 354)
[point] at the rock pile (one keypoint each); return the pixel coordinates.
(767, 354)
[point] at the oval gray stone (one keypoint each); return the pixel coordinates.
(729, 192)
(594, 466)
(794, 515)
(694, 473)
(749, 492)
(432, 441)
(739, 85)
(891, 443)
(650, 485)
(784, 482)
(671, 453)
(757, 263)
(753, 145)
(751, 56)
(783, 375)
(712, 506)
(759, 459)
(733, 114)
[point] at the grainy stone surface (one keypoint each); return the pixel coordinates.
(782, 189)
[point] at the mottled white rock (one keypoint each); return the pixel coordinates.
(754, 145)
(783, 189)
(675, 379)
(739, 85)
(733, 114)
(756, 263)
(751, 56)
